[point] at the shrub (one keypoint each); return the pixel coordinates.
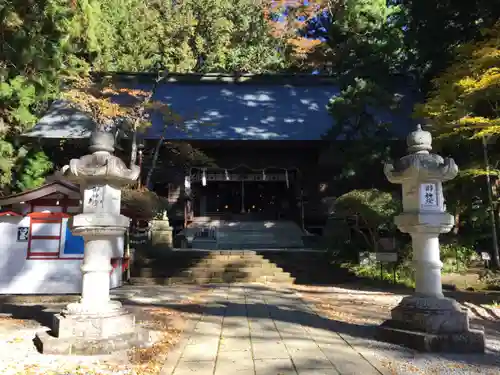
(491, 279)
(142, 203)
(34, 168)
(456, 257)
(373, 212)
(404, 272)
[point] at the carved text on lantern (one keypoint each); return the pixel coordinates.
(97, 197)
(428, 195)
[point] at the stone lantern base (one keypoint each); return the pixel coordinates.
(161, 234)
(92, 334)
(432, 324)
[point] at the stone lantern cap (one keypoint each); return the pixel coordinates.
(419, 164)
(419, 140)
(100, 167)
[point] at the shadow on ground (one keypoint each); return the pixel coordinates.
(355, 334)
(359, 335)
(41, 314)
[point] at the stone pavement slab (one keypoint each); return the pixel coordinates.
(258, 330)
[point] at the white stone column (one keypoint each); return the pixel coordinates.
(427, 264)
(96, 270)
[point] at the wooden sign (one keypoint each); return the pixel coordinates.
(387, 243)
(139, 236)
(23, 234)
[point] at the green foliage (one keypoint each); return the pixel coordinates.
(457, 257)
(36, 53)
(142, 203)
(6, 162)
(352, 110)
(434, 29)
(405, 274)
(20, 93)
(374, 208)
(366, 49)
(491, 279)
(52, 45)
(33, 170)
(184, 36)
(466, 96)
(365, 52)
(463, 106)
(365, 41)
(374, 211)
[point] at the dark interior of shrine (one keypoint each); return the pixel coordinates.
(246, 200)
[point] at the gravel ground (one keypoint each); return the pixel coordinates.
(363, 310)
(18, 355)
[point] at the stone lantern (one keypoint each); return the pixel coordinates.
(95, 324)
(427, 320)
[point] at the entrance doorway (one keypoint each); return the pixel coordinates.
(220, 198)
(268, 199)
(251, 200)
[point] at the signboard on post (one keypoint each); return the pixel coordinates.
(486, 257)
(387, 257)
(387, 243)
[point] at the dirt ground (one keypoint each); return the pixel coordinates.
(18, 355)
(372, 306)
(361, 307)
(463, 280)
(350, 304)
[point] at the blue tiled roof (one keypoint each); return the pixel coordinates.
(225, 111)
(244, 112)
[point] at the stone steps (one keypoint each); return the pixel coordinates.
(220, 266)
(206, 267)
(211, 280)
(261, 246)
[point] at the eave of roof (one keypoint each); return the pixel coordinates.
(296, 79)
(39, 192)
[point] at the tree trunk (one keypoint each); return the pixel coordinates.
(154, 161)
(456, 227)
(496, 264)
(133, 149)
(365, 237)
(142, 110)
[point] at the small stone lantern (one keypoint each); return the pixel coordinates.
(427, 320)
(95, 324)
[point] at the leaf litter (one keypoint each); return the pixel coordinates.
(18, 355)
(371, 308)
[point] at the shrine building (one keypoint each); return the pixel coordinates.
(264, 155)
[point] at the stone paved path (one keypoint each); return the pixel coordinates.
(254, 330)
